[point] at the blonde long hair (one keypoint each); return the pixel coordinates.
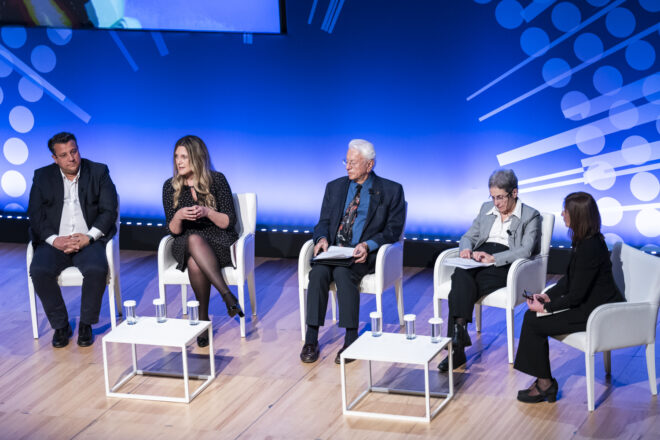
(200, 163)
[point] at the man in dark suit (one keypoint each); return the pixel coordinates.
(363, 211)
(73, 210)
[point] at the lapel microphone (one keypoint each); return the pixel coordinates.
(508, 231)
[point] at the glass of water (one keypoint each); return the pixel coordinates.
(436, 329)
(376, 324)
(193, 312)
(129, 312)
(160, 310)
(410, 326)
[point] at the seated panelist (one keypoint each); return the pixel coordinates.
(588, 283)
(505, 230)
(200, 214)
(363, 211)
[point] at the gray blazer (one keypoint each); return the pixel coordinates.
(524, 240)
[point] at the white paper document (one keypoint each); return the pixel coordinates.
(335, 253)
(464, 263)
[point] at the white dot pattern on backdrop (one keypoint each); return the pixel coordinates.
(14, 207)
(590, 139)
(575, 105)
(15, 151)
(552, 69)
(611, 211)
(59, 37)
(13, 36)
(600, 175)
(647, 222)
(651, 88)
(43, 58)
(21, 119)
(645, 186)
(29, 91)
(508, 14)
(635, 150)
(13, 183)
(5, 68)
(624, 115)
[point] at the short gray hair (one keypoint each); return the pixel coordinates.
(503, 179)
(365, 148)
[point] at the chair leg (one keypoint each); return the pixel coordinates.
(650, 367)
(184, 299)
(117, 282)
(607, 362)
(33, 309)
(398, 289)
(477, 316)
(303, 310)
(241, 301)
(253, 293)
(509, 333)
(589, 367)
(111, 299)
(333, 305)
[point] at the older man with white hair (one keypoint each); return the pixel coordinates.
(363, 211)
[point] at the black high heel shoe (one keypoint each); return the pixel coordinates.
(549, 394)
(233, 307)
(203, 339)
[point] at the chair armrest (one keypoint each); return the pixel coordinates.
(526, 274)
(389, 264)
(305, 261)
(110, 255)
(29, 254)
(165, 257)
(244, 248)
(618, 325)
(442, 273)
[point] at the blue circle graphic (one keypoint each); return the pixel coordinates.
(59, 36)
(509, 14)
(587, 46)
(575, 105)
(651, 88)
(620, 22)
(650, 5)
(533, 40)
(553, 68)
(607, 80)
(2, 95)
(566, 16)
(29, 91)
(5, 68)
(640, 55)
(43, 58)
(14, 36)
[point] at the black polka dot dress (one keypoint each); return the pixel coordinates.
(220, 240)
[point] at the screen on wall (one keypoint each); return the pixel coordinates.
(255, 16)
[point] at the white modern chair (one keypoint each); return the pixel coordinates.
(71, 276)
(242, 254)
(524, 274)
(625, 324)
(388, 273)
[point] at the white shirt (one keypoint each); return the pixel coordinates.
(72, 220)
(499, 232)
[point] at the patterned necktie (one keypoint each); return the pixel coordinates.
(345, 232)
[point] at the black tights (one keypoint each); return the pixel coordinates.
(204, 271)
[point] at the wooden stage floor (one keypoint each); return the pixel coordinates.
(263, 391)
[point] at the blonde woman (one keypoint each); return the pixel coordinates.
(200, 214)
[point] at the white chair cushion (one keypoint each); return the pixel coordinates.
(70, 276)
(442, 291)
(496, 299)
(368, 283)
(576, 340)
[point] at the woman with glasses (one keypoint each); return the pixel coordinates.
(588, 283)
(200, 214)
(505, 229)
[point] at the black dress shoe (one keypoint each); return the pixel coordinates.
(549, 394)
(309, 353)
(85, 336)
(61, 336)
(203, 339)
(458, 358)
(233, 307)
(461, 336)
(338, 357)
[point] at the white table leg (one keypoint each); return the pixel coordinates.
(370, 376)
(134, 352)
(343, 387)
(211, 352)
(186, 387)
(427, 392)
(105, 369)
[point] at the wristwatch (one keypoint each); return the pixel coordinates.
(91, 239)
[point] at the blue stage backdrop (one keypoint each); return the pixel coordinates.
(567, 93)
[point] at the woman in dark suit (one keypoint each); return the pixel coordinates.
(504, 230)
(200, 214)
(588, 283)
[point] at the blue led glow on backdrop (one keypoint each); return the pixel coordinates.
(567, 93)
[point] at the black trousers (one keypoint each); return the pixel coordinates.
(468, 285)
(533, 356)
(347, 280)
(48, 262)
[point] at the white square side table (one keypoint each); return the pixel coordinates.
(395, 348)
(171, 333)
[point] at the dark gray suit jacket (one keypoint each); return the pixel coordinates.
(97, 194)
(524, 240)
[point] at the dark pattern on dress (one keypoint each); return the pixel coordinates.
(219, 239)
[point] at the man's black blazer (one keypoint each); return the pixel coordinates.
(97, 194)
(385, 217)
